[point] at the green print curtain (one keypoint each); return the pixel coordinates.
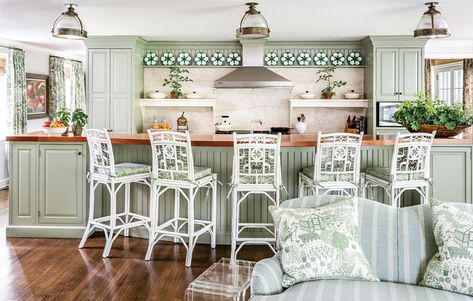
(77, 84)
(57, 86)
(16, 92)
(468, 84)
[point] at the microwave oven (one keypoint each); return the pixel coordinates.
(385, 114)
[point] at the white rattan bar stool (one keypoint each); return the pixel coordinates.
(256, 170)
(173, 169)
(336, 165)
(409, 169)
(103, 170)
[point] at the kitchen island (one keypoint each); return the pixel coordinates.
(48, 188)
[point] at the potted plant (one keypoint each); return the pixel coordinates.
(176, 77)
(79, 120)
(326, 75)
(426, 115)
(63, 116)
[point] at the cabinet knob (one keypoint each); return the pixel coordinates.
(79, 153)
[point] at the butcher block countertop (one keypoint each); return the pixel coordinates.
(205, 139)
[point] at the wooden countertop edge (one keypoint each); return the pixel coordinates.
(210, 140)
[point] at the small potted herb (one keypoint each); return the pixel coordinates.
(326, 75)
(176, 77)
(79, 120)
(426, 115)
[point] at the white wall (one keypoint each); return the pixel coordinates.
(243, 105)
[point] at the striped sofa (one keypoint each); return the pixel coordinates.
(397, 242)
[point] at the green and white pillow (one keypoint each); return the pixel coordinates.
(321, 243)
(451, 268)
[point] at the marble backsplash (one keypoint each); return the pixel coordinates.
(270, 105)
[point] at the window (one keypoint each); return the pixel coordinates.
(449, 82)
(3, 97)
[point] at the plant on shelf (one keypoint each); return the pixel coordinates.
(176, 77)
(79, 120)
(426, 115)
(326, 75)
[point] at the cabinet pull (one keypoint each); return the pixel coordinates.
(109, 130)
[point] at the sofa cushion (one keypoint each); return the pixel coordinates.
(452, 267)
(321, 243)
(347, 290)
(266, 278)
(377, 225)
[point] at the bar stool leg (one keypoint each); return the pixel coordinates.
(234, 225)
(89, 227)
(190, 227)
(301, 187)
(177, 203)
(214, 215)
(126, 232)
(153, 214)
(113, 220)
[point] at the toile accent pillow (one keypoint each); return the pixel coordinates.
(451, 269)
(321, 243)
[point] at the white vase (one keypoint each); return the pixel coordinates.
(301, 127)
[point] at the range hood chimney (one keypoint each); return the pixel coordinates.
(252, 74)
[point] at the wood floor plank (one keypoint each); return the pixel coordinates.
(55, 269)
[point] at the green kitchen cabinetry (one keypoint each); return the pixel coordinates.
(451, 173)
(61, 184)
(48, 189)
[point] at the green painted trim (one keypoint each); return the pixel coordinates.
(314, 44)
(399, 41)
(115, 42)
(45, 231)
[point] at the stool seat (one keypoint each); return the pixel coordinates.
(201, 172)
(384, 173)
(129, 169)
(309, 171)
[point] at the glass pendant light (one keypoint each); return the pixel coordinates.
(253, 25)
(432, 25)
(69, 26)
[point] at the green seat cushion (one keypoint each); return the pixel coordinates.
(451, 268)
(321, 243)
(309, 171)
(384, 173)
(128, 169)
(201, 172)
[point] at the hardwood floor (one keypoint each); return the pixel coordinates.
(54, 269)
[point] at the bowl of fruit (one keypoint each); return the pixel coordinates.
(56, 128)
(163, 126)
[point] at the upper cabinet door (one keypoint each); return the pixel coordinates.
(121, 90)
(99, 87)
(410, 72)
(386, 74)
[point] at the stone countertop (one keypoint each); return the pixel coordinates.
(206, 139)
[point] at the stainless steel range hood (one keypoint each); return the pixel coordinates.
(252, 74)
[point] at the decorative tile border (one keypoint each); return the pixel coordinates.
(314, 57)
(192, 57)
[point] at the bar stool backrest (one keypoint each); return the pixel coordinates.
(256, 159)
(172, 156)
(102, 161)
(338, 157)
(411, 156)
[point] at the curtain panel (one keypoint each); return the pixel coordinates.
(16, 92)
(468, 84)
(57, 85)
(77, 84)
(428, 77)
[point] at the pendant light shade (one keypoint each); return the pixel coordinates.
(69, 26)
(253, 25)
(432, 25)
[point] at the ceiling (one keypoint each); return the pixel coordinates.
(30, 21)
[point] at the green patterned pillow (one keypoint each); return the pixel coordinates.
(321, 243)
(451, 268)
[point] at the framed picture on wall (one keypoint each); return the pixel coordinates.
(37, 95)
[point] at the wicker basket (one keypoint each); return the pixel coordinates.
(442, 131)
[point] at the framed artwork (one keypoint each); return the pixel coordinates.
(37, 95)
